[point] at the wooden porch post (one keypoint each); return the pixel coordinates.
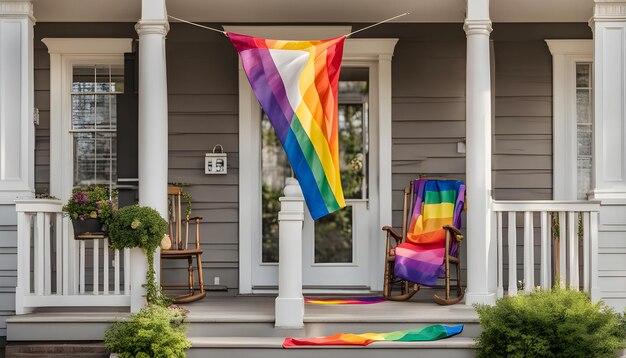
(481, 253)
(153, 148)
(17, 133)
(289, 306)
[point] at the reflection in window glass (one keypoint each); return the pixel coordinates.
(94, 122)
(333, 232)
(584, 128)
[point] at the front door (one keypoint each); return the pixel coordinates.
(335, 248)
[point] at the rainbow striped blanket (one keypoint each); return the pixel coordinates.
(296, 83)
(437, 203)
(430, 333)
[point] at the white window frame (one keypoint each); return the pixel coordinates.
(565, 55)
(64, 53)
(377, 53)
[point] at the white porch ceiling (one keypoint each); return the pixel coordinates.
(240, 11)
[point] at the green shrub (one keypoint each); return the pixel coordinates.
(556, 323)
(143, 227)
(155, 331)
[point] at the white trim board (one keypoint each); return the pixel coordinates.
(565, 55)
(373, 53)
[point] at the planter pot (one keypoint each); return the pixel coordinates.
(86, 226)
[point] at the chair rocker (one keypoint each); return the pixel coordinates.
(180, 250)
(427, 231)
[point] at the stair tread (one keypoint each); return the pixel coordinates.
(276, 342)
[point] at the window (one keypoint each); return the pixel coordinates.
(86, 76)
(94, 122)
(572, 157)
(584, 128)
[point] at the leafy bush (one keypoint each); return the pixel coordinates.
(155, 331)
(143, 227)
(556, 323)
(92, 202)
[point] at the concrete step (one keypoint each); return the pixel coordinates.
(271, 347)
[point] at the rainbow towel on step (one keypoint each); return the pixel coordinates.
(367, 300)
(430, 333)
(296, 83)
(437, 203)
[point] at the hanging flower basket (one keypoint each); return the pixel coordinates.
(87, 226)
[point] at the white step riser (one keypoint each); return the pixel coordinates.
(330, 352)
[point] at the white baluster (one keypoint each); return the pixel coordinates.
(529, 262)
(545, 256)
(58, 238)
(23, 261)
(593, 227)
(127, 271)
(47, 256)
(105, 266)
(116, 288)
(38, 257)
(572, 242)
(81, 259)
(586, 251)
(512, 238)
(500, 292)
(96, 265)
(68, 251)
(562, 249)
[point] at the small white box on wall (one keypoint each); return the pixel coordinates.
(216, 162)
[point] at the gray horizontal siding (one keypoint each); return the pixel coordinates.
(8, 264)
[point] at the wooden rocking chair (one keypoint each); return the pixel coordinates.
(180, 250)
(417, 233)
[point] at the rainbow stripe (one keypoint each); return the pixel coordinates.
(430, 333)
(367, 300)
(296, 85)
(437, 203)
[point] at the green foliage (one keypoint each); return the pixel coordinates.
(137, 226)
(155, 331)
(556, 323)
(92, 202)
(143, 227)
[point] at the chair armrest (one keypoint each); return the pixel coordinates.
(392, 233)
(457, 233)
(195, 218)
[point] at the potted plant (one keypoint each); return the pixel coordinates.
(91, 209)
(155, 331)
(143, 227)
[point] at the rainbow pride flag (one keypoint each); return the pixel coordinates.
(366, 300)
(296, 85)
(437, 203)
(430, 333)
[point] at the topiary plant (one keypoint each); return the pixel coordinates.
(155, 331)
(143, 227)
(556, 323)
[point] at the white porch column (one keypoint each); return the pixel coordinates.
(609, 88)
(153, 148)
(289, 306)
(17, 131)
(481, 254)
(609, 127)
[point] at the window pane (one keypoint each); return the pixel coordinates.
(333, 237)
(83, 111)
(95, 158)
(584, 140)
(583, 106)
(106, 111)
(584, 177)
(109, 78)
(83, 78)
(117, 78)
(583, 71)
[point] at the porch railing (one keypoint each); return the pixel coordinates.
(54, 270)
(567, 244)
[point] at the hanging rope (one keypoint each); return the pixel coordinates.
(348, 35)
